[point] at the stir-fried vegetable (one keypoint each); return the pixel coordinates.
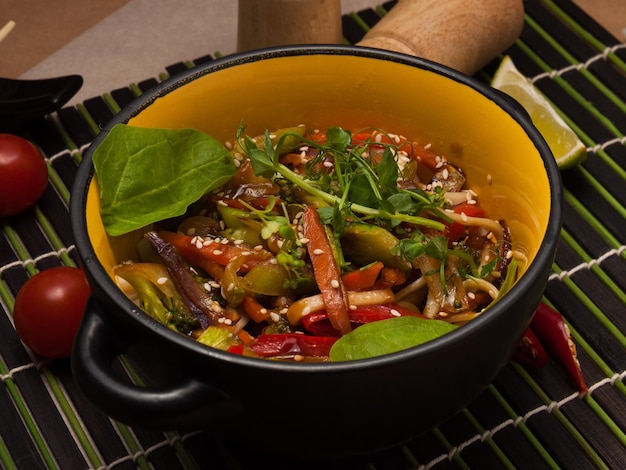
(316, 235)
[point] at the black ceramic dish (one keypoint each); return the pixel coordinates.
(24, 100)
(321, 409)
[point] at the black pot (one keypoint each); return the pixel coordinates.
(327, 409)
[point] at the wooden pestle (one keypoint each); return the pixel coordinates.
(462, 34)
(265, 23)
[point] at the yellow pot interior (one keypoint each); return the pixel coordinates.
(500, 161)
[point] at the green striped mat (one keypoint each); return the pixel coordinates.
(525, 419)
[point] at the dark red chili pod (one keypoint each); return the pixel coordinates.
(530, 351)
(554, 333)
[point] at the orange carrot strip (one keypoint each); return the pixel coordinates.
(326, 271)
(254, 309)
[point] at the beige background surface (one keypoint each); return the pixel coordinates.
(112, 43)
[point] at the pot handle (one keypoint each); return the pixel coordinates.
(190, 403)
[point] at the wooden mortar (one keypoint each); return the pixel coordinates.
(462, 34)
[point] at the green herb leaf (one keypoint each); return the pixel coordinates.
(146, 175)
(387, 171)
(387, 336)
(338, 139)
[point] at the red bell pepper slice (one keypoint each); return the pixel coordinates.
(364, 278)
(326, 270)
(291, 344)
(317, 323)
(456, 230)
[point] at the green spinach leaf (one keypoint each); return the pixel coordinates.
(146, 175)
(387, 336)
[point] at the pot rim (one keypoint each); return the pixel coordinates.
(537, 270)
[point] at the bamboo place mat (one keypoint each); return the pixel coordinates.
(525, 419)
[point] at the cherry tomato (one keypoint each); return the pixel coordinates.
(48, 310)
(23, 174)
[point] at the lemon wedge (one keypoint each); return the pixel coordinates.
(567, 148)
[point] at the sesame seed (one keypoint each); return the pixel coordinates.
(207, 286)
(443, 314)
(283, 311)
(327, 164)
(275, 317)
(298, 358)
(208, 242)
(225, 241)
(263, 311)
(163, 280)
(395, 313)
(218, 252)
(304, 148)
(306, 311)
(237, 242)
(445, 173)
(427, 146)
(509, 254)
(334, 283)
(352, 307)
(258, 248)
(228, 321)
(318, 251)
(246, 253)
(230, 287)
(228, 145)
(471, 295)
(464, 216)
(304, 240)
(378, 139)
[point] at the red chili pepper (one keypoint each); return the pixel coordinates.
(291, 344)
(530, 351)
(552, 331)
(317, 323)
